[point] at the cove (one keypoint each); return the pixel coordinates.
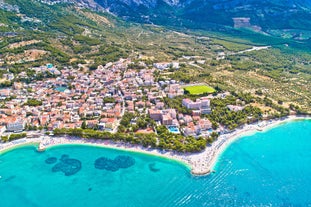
(270, 168)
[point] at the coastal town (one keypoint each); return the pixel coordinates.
(155, 103)
(98, 99)
(124, 104)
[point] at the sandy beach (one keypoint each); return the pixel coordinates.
(200, 163)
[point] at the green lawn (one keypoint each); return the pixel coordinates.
(197, 90)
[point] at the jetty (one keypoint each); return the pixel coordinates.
(41, 147)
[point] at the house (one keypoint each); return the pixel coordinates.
(162, 66)
(172, 112)
(175, 90)
(191, 129)
(130, 106)
(4, 93)
(128, 96)
(140, 104)
(160, 105)
(92, 123)
(155, 114)
(187, 119)
(205, 124)
(44, 119)
(167, 119)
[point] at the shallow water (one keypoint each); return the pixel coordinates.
(266, 169)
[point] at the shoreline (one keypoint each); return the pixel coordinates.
(224, 141)
(247, 130)
(199, 164)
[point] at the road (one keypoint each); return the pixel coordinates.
(115, 129)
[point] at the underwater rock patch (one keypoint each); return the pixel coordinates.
(104, 163)
(64, 157)
(124, 161)
(153, 168)
(51, 160)
(67, 165)
(10, 178)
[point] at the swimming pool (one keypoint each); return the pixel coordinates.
(173, 129)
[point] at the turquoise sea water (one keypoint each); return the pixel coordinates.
(266, 169)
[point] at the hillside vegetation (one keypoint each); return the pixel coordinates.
(34, 34)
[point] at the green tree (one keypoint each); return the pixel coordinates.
(83, 125)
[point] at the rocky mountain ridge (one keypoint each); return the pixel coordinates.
(272, 14)
(281, 18)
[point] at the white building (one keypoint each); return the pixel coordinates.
(202, 104)
(16, 126)
(2, 130)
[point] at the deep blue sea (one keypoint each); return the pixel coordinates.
(271, 168)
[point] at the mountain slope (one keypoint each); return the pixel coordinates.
(285, 16)
(266, 14)
(272, 14)
(67, 34)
